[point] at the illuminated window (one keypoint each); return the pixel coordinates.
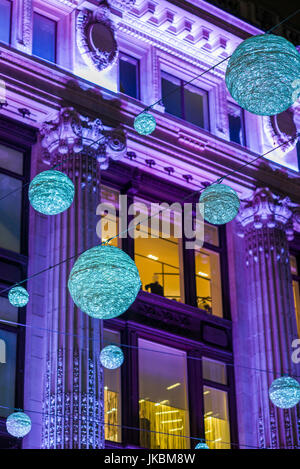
(112, 393)
(186, 102)
(108, 227)
(44, 37)
(129, 75)
(216, 418)
(214, 370)
(11, 169)
(296, 289)
(158, 252)
(5, 20)
(236, 124)
(163, 402)
(208, 281)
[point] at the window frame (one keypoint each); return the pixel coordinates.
(10, 24)
(43, 15)
(244, 143)
(138, 74)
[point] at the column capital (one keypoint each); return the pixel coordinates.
(266, 209)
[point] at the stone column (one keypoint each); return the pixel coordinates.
(73, 414)
(270, 327)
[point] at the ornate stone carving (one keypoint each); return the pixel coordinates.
(281, 128)
(70, 132)
(24, 32)
(96, 38)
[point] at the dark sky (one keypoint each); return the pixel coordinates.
(284, 8)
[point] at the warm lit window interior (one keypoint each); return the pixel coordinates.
(208, 281)
(158, 259)
(296, 289)
(216, 418)
(109, 223)
(112, 393)
(163, 402)
(11, 166)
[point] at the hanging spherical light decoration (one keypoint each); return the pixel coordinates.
(51, 192)
(261, 72)
(18, 297)
(284, 392)
(111, 357)
(104, 282)
(145, 123)
(202, 445)
(18, 424)
(221, 204)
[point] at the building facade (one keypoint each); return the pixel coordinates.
(212, 327)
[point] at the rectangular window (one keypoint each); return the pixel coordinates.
(164, 419)
(5, 20)
(208, 281)
(108, 227)
(298, 153)
(44, 37)
(129, 76)
(159, 258)
(10, 213)
(8, 347)
(296, 288)
(236, 124)
(214, 371)
(7, 311)
(112, 393)
(216, 418)
(186, 102)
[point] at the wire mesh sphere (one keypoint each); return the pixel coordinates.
(145, 123)
(221, 204)
(18, 424)
(261, 72)
(51, 192)
(104, 282)
(201, 445)
(284, 392)
(111, 357)
(18, 297)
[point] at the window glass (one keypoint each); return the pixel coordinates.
(216, 418)
(163, 398)
(236, 124)
(208, 281)
(296, 292)
(7, 311)
(294, 267)
(7, 371)
(196, 106)
(129, 75)
(171, 93)
(214, 371)
(298, 153)
(44, 37)
(159, 258)
(5, 20)
(211, 234)
(108, 226)
(11, 159)
(10, 213)
(112, 393)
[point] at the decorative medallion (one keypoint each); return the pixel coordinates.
(96, 38)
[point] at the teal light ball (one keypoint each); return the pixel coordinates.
(104, 282)
(202, 445)
(18, 424)
(18, 297)
(261, 72)
(284, 392)
(111, 357)
(221, 204)
(145, 123)
(51, 192)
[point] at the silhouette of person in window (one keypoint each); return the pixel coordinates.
(155, 286)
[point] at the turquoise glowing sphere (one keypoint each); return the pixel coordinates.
(284, 392)
(145, 123)
(104, 282)
(221, 204)
(18, 424)
(18, 297)
(202, 446)
(261, 73)
(51, 192)
(111, 357)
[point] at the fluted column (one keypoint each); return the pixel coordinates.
(266, 225)
(73, 415)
